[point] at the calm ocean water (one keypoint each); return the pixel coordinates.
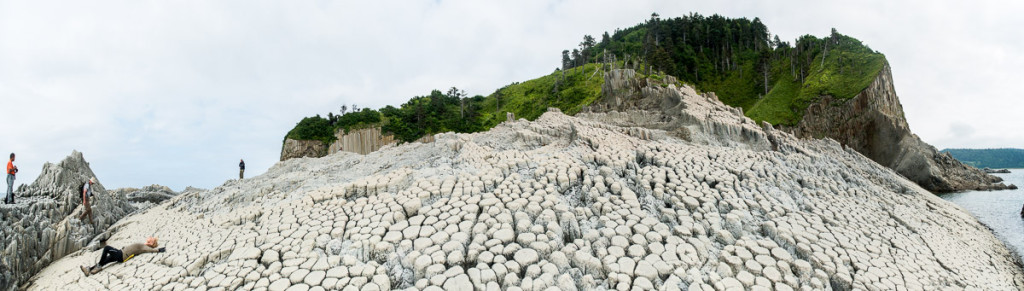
(999, 210)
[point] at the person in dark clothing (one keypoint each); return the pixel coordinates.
(86, 193)
(241, 169)
(113, 255)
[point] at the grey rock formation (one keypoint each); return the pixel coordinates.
(302, 148)
(658, 104)
(995, 171)
(360, 141)
(873, 124)
(566, 203)
(146, 196)
(43, 226)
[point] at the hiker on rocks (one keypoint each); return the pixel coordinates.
(112, 255)
(11, 170)
(241, 168)
(86, 193)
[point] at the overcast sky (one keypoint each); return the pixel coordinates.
(176, 92)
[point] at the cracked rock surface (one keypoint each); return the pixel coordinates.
(43, 225)
(563, 203)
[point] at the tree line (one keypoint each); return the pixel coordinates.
(421, 115)
(989, 158)
(739, 59)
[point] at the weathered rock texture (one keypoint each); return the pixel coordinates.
(43, 226)
(873, 124)
(302, 148)
(567, 203)
(640, 102)
(360, 141)
(146, 196)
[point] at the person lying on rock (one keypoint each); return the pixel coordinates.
(112, 255)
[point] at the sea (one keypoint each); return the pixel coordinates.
(999, 210)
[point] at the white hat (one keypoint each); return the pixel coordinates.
(92, 180)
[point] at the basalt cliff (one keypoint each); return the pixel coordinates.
(873, 124)
(700, 198)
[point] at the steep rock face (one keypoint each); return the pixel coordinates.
(43, 226)
(360, 141)
(873, 124)
(302, 148)
(641, 102)
(567, 203)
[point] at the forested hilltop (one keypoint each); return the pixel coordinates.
(738, 59)
(989, 158)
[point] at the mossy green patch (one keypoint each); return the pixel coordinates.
(569, 92)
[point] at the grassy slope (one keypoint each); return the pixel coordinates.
(787, 100)
(848, 69)
(530, 99)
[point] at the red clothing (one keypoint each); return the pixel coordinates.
(10, 167)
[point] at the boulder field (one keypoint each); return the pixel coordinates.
(568, 203)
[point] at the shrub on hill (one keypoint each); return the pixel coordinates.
(313, 128)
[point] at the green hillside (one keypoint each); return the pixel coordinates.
(771, 80)
(989, 158)
(455, 111)
(737, 59)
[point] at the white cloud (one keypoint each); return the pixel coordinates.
(175, 92)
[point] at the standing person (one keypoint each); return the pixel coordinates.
(113, 255)
(86, 194)
(241, 169)
(11, 170)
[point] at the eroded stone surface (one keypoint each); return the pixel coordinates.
(564, 202)
(43, 225)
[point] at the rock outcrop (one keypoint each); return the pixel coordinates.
(995, 171)
(658, 104)
(873, 124)
(43, 226)
(146, 197)
(360, 141)
(569, 203)
(302, 148)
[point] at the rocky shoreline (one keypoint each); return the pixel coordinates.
(996, 171)
(573, 203)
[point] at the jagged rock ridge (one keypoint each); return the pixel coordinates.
(43, 226)
(570, 203)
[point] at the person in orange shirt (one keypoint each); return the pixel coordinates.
(11, 170)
